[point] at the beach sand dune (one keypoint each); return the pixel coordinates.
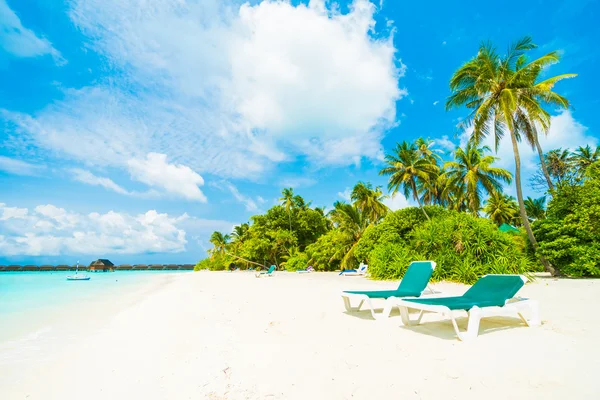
(212, 335)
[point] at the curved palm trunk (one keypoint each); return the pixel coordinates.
(416, 194)
(522, 211)
(543, 164)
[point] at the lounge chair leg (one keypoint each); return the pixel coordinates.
(533, 308)
(371, 308)
(387, 309)
(404, 314)
(472, 326)
(349, 307)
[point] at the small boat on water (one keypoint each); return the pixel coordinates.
(78, 277)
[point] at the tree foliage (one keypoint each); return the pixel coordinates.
(570, 234)
(463, 246)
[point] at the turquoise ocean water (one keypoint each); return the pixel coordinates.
(22, 292)
(42, 311)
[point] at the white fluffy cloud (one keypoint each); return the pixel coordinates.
(249, 203)
(91, 179)
(47, 230)
(224, 88)
(346, 195)
(565, 132)
(178, 179)
(397, 202)
(20, 41)
(445, 143)
(297, 182)
(19, 167)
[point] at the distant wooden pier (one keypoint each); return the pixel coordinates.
(123, 267)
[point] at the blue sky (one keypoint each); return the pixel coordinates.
(132, 130)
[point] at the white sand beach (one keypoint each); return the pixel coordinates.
(211, 335)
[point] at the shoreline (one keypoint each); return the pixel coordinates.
(221, 335)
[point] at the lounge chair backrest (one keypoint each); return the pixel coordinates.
(495, 288)
(362, 267)
(416, 277)
(271, 269)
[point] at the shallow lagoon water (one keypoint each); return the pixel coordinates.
(38, 307)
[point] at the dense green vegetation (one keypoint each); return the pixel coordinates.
(460, 198)
(570, 234)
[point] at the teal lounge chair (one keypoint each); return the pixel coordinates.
(413, 284)
(266, 273)
(491, 295)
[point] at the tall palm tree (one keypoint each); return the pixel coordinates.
(504, 95)
(239, 232)
(472, 173)
(351, 222)
(219, 242)
(559, 164)
(287, 200)
(501, 208)
(409, 170)
(536, 208)
(424, 147)
(531, 112)
(583, 157)
(369, 201)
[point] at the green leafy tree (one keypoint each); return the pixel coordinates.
(351, 222)
(472, 173)
(369, 201)
(584, 157)
(559, 165)
(536, 208)
(426, 150)
(504, 95)
(287, 200)
(570, 234)
(219, 242)
(408, 170)
(501, 208)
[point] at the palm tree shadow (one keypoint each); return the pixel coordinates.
(443, 329)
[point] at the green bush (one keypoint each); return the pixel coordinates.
(325, 254)
(202, 264)
(570, 236)
(216, 263)
(390, 260)
(298, 261)
(463, 247)
(395, 228)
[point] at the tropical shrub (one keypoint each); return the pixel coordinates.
(395, 228)
(570, 235)
(389, 260)
(464, 248)
(218, 262)
(327, 252)
(296, 262)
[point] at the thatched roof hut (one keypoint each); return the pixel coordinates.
(103, 265)
(13, 268)
(47, 268)
(156, 267)
(31, 268)
(124, 267)
(140, 267)
(187, 267)
(62, 267)
(2, 267)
